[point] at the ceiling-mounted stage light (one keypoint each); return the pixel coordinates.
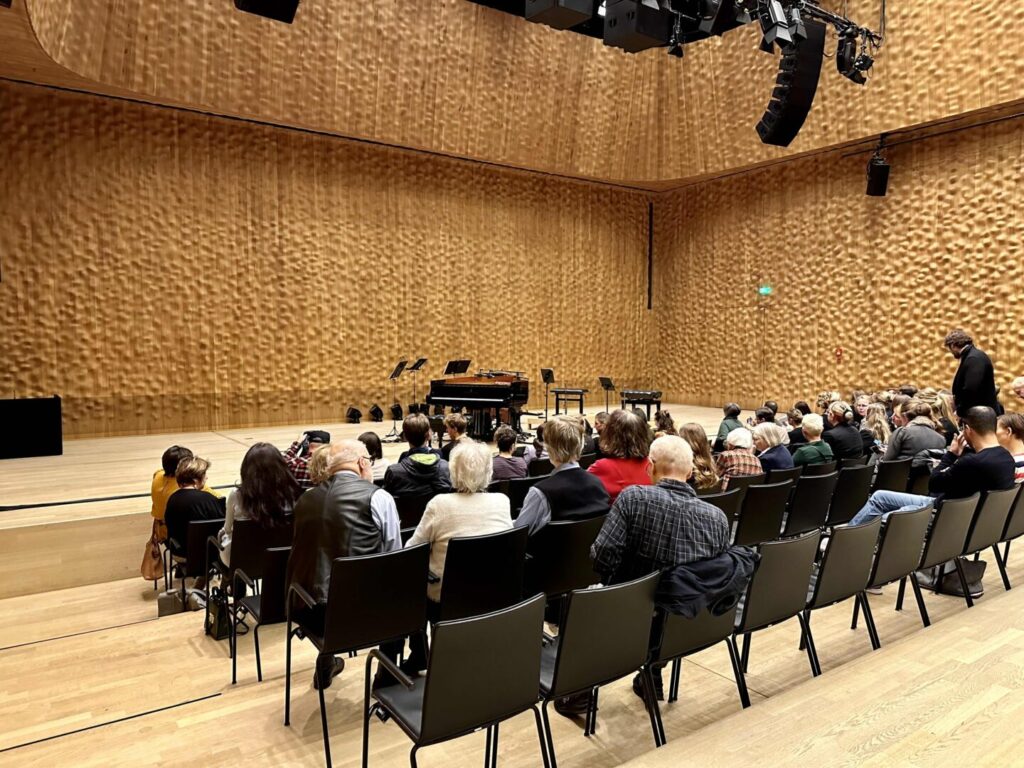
(396, 412)
(353, 415)
(878, 174)
(560, 14)
(636, 25)
(376, 413)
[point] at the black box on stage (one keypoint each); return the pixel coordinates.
(31, 426)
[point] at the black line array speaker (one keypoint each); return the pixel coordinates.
(560, 14)
(278, 10)
(795, 86)
(878, 177)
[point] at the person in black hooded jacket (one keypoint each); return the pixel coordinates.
(421, 470)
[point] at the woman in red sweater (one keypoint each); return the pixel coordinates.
(625, 442)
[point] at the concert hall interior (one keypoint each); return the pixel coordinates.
(237, 226)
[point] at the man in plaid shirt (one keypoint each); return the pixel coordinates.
(301, 451)
(738, 458)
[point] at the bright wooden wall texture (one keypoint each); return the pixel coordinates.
(882, 278)
(165, 271)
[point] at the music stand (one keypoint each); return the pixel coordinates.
(455, 367)
(414, 369)
(547, 375)
(394, 436)
(607, 386)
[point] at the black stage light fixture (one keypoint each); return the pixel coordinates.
(878, 175)
(396, 412)
(795, 86)
(353, 415)
(560, 14)
(376, 413)
(278, 10)
(636, 25)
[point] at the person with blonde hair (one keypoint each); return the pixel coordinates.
(816, 450)
(190, 502)
(917, 432)
(317, 466)
(942, 412)
(770, 443)
(738, 458)
(874, 429)
(455, 427)
(705, 473)
(843, 438)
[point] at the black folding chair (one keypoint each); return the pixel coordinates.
(853, 487)
(742, 482)
(809, 504)
(587, 459)
(1014, 530)
(892, 475)
(265, 607)
(988, 525)
(778, 475)
(945, 543)
(195, 562)
(410, 508)
(559, 557)
(483, 573)
(372, 599)
(729, 502)
(540, 468)
(859, 461)
(761, 513)
(516, 491)
(825, 468)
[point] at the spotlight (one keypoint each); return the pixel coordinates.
(376, 413)
(636, 25)
(847, 58)
(878, 175)
(396, 412)
(353, 415)
(560, 14)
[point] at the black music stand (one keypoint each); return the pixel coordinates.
(415, 369)
(456, 367)
(394, 436)
(547, 375)
(608, 387)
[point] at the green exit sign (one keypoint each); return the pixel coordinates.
(765, 290)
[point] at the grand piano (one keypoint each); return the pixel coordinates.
(487, 396)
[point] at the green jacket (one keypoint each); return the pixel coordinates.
(727, 426)
(818, 452)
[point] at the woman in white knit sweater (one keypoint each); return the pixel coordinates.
(470, 511)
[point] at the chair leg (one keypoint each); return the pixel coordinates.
(487, 749)
(812, 655)
(412, 757)
(232, 643)
(745, 658)
(737, 671)
(288, 676)
(856, 614)
(540, 737)
(494, 746)
(588, 721)
(869, 620)
(323, 725)
(1006, 553)
(963, 582)
(673, 687)
(1002, 567)
(547, 731)
(803, 635)
(256, 645)
(921, 607)
(653, 709)
(901, 593)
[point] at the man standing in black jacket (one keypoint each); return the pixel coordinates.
(974, 383)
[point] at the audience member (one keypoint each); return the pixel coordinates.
(267, 493)
(942, 412)
(874, 430)
(569, 493)
(729, 423)
(825, 399)
(664, 424)
(705, 473)
(505, 465)
(762, 416)
(190, 502)
(624, 443)
(1010, 433)
(422, 470)
(455, 428)
(796, 434)
(917, 432)
(908, 389)
(376, 452)
(299, 452)
(974, 383)
(769, 442)
(844, 438)
(164, 484)
(738, 458)
(318, 465)
(345, 516)
(959, 474)
(538, 450)
(802, 406)
(815, 450)
(1017, 385)
(860, 408)
(600, 419)
(589, 446)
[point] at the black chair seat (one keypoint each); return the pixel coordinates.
(404, 704)
(251, 605)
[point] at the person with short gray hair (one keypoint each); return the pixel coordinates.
(770, 443)
(738, 458)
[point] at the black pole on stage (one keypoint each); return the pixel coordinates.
(394, 435)
(547, 375)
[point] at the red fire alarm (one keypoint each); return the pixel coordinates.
(839, 354)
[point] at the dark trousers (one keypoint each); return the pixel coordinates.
(313, 618)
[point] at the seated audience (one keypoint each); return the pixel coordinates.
(959, 474)
(190, 502)
(537, 450)
(299, 453)
(506, 466)
(729, 423)
(1010, 434)
(802, 406)
(1017, 386)
(874, 431)
(896, 405)
(762, 416)
(942, 412)
(663, 424)
(589, 440)
(705, 473)
(345, 516)
(624, 444)
(796, 435)
(375, 449)
(815, 450)
(599, 423)
(568, 493)
(164, 485)
(770, 445)
(844, 438)
(908, 389)
(738, 458)
(860, 407)
(916, 432)
(266, 493)
(318, 465)
(455, 427)
(658, 527)
(422, 470)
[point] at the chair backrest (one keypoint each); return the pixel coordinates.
(852, 490)
(482, 669)
(410, 508)
(859, 461)
(948, 534)
(892, 475)
(1015, 522)
(778, 475)
(587, 459)
(376, 598)
(516, 491)
(197, 533)
(809, 503)
(899, 545)
(825, 468)
(483, 573)
(274, 590)
(250, 542)
(761, 515)
(729, 502)
(743, 482)
(918, 481)
(990, 519)
(605, 634)
(681, 636)
(845, 567)
(778, 589)
(540, 467)
(560, 556)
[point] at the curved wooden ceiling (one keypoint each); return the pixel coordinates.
(452, 77)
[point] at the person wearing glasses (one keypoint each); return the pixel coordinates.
(345, 516)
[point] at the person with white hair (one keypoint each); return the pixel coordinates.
(738, 458)
(815, 450)
(1017, 385)
(656, 527)
(770, 443)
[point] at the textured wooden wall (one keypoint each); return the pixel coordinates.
(457, 78)
(167, 271)
(883, 278)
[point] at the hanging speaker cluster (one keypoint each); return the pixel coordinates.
(278, 10)
(795, 87)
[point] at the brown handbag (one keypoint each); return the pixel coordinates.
(152, 564)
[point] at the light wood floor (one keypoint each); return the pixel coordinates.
(89, 677)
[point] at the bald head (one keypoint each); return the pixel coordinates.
(347, 455)
(671, 458)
